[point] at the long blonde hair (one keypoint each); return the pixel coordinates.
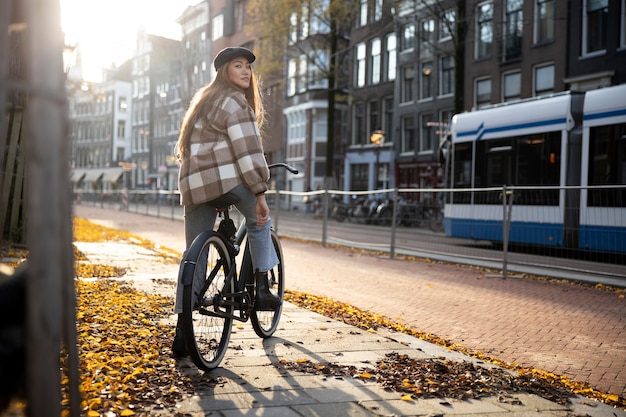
(210, 95)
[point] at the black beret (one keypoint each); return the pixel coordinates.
(230, 53)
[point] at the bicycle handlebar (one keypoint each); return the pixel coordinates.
(283, 165)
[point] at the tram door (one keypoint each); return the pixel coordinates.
(499, 166)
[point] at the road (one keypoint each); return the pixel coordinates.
(574, 330)
(421, 242)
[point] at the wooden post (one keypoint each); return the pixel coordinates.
(50, 291)
(5, 13)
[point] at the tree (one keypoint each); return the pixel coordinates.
(316, 29)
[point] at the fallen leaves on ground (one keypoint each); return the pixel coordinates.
(12, 256)
(125, 363)
(370, 321)
(126, 367)
(86, 231)
(440, 378)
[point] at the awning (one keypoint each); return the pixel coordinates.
(77, 175)
(93, 175)
(112, 174)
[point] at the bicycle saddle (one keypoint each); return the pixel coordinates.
(225, 200)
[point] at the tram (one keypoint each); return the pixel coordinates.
(562, 159)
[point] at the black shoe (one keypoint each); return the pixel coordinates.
(178, 345)
(264, 299)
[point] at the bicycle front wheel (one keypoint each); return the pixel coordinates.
(265, 323)
(206, 332)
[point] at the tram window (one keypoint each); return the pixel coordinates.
(607, 165)
(462, 171)
(463, 165)
(537, 163)
(531, 160)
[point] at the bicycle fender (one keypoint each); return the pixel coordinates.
(189, 261)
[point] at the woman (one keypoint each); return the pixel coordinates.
(220, 151)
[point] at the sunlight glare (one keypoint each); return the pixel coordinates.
(107, 29)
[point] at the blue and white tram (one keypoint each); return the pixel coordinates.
(603, 210)
(548, 151)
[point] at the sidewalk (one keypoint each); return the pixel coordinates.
(249, 383)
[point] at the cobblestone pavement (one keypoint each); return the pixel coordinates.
(571, 330)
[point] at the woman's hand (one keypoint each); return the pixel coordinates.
(262, 210)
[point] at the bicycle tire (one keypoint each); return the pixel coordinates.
(265, 323)
(206, 336)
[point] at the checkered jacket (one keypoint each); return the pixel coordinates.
(223, 155)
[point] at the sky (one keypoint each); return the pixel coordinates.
(107, 29)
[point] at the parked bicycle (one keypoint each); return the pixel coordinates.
(215, 294)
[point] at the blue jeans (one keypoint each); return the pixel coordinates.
(201, 217)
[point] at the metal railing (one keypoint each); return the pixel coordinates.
(510, 229)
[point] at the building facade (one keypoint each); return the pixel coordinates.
(155, 68)
(596, 45)
(100, 115)
(425, 91)
(369, 146)
(403, 68)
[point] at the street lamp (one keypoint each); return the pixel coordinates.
(377, 138)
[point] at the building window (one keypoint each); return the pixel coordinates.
(378, 10)
(426, 75)
(392, 62)
(296, 135)
(408, 134)
(447, 25)
(121, 129)
(123, 104)
(374, 116)
(363, 13)
(359, 177)
(483, 93)
(445, 117)
(484, 29)
(544, 80)
(318, 24)
(513, 30)
(217, 25)
(408, 84)
(293, 28)
(304, 22)
(240, 13)
(388, 117)
(360, 65)
(302, 68)
(427, 133)
(291, 77)
(511, 86)
(375, 59)
(408, 37)
(595, 25)
(428, 30)
(447, 75)
(359, 135)
(318, 64)
(544, 21)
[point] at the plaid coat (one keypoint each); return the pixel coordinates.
(223, 155)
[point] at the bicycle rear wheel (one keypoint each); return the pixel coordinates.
(265, 323)
(206, 334)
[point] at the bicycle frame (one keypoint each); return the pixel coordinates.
(241, 299)
(208, 311)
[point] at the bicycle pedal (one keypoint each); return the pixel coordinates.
(239, 300)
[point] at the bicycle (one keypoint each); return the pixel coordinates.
(215, 294)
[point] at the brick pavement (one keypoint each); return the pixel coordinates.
(570, 330)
